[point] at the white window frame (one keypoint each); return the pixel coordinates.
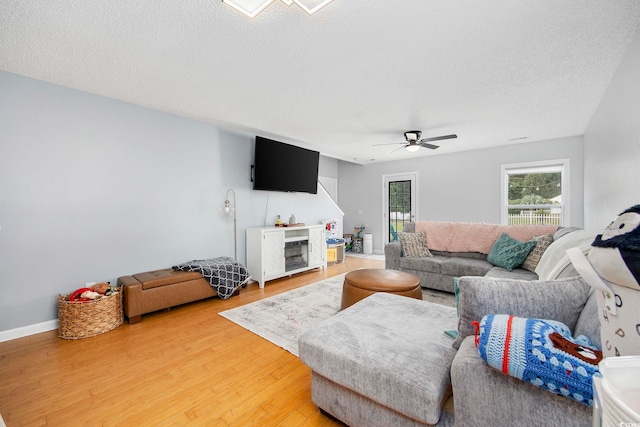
(556, 165)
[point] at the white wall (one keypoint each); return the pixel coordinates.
(92, 189)
(612, 146)
(453, 187)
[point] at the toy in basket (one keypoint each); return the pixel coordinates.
(613, 268)
(87, 312)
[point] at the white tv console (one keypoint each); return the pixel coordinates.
(274, 252)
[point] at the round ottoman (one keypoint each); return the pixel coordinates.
(359, 284)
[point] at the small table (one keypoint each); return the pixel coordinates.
(359, 284)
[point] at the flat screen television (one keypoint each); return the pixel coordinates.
(283, 167)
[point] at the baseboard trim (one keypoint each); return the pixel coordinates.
(25, 331)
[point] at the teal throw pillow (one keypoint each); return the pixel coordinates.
(508, 252)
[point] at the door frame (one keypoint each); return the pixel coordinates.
(390, 177)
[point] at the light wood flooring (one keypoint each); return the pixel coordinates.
(187, 365)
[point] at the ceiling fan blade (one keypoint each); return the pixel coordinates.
(391, 143)
(399, 148)
(431, 146)
(439, 138)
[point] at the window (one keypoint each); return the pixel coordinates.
(536, 193)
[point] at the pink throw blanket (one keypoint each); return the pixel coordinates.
(475, 237)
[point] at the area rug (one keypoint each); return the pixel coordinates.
(282, 318)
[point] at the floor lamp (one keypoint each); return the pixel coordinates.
(229, 209)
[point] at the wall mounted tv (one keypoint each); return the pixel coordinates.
(283, 167)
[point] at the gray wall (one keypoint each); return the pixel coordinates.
(453, 187)
(612, 146)
(92, 189)
(328, 167)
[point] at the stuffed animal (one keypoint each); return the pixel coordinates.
(94, 292)
(90, 295)
(613, 268)
(615, 254)
(100, 288)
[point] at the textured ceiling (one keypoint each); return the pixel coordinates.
(355, 74)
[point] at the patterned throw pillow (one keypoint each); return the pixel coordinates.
(532, 260)
(508, 252)
(540, 352)
(414, 245)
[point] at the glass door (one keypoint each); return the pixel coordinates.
(400, 203)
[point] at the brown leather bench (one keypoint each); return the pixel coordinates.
(160, 289)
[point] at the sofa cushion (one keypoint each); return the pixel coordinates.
(532, 260)
(589, 322)
(474, 255)
(508, 252)
(414, 245)
(164, 277)
(517, 273)
(455, 266)
(561, 300)
(486, 397)
(429, 264)
(381, 349)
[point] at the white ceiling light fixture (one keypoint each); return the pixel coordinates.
(251, 8)
(412, 146)
(312, 6)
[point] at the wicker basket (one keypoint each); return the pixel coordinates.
(86, 319)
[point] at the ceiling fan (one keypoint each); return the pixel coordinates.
(414, 142)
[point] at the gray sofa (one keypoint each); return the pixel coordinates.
(437, 272)
(386, 360)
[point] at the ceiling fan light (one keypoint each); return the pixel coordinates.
(412, 147)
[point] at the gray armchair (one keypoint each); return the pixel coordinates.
(484, 396)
